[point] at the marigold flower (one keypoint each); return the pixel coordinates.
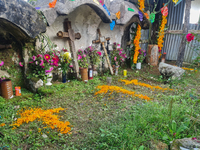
(3, 124)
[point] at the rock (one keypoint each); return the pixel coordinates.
(4, 73)
(20, 19)
(158, 145)
(167, 71)
(35, 84)
(185, 144)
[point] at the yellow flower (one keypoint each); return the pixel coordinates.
(67, 56)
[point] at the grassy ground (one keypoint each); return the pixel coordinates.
(117, 121)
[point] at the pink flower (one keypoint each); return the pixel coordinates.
(21, 64)
(189, 37)
(47, 57)
(30, 62)
(33, 58)
(42, 66)
(39, 55)
(36, 62)
(118, 44)
(120, 52)
(84, 55)
(55, 63)
(99, 53)
(42, 62)
(1, 64)
(194, 138)
(115, 58)
(48, 71)
(71, 66)
(79, 57)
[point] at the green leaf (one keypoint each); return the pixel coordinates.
(165, 137)
(141, 147)
(173, 126)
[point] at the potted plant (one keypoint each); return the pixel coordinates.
(141, 57)
(83, 64)
(117, 57)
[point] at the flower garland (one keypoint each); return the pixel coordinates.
(141, 4)
(106, 88)
(161, 33)
(47, 116)
(135, 81)
(136, 42)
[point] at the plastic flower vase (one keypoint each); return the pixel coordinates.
(138, 65)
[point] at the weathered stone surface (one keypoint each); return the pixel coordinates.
(125, 15)
(186, 144)
(20, 19)
(4, 73)
(34, 85)
(167, 71)
(67, 7)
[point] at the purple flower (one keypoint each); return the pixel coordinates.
(33, 58)
(85, 51)
(120, 52)
(1, 64)
(30, 62)
(114, 43)
(79, 57)
(140, 16)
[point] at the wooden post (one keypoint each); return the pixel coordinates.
(181, 51)
(105, 51)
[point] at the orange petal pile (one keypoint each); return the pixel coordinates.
(3, 124)
(141, 4)
(135, 81)
(47, 116)
(136, 42)
(110, 89)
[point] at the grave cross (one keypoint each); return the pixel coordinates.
(71, 36)
(102, 40)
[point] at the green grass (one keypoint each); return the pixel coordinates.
(103, 123)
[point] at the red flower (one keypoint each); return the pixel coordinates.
(55, 58)
(189, 37)
(47, 57)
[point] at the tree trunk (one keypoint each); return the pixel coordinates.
(181, 51)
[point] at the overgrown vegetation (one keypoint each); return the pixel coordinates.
(107, 122)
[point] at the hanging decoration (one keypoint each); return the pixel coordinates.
(130, 9)
(146, 15)
(136, 42)
(140, 15)
(104, 6)
(102, 2)
(164, 11)
(152, 17)
(141, 4)
(96, 2)
(118, 15)
(175, 1)
(52, 4)
(161, 34)
(112, 25)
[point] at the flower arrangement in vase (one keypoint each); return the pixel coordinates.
(141, 57)
(117, 56)
(83, 64)
(64, 62)
(94, 55)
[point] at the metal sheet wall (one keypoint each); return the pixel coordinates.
(172, 41)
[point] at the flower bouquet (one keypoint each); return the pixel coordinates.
(94, 55)
(117, 57)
